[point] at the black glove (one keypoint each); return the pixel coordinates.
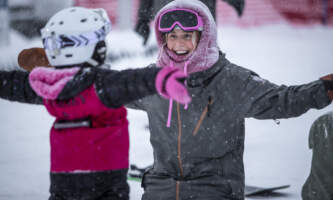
(143, 29)
(328, 82)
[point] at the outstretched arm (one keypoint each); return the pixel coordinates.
(14, 86)
(117, 88)
(269, 101)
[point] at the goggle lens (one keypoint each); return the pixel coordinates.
(188, 20)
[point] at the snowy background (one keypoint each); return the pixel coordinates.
(274, 154)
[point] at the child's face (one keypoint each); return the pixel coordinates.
(181, 42)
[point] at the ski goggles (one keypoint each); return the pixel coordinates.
(54, 43)
(186, 19)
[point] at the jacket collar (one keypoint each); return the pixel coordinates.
(81, 81)
(202, 78)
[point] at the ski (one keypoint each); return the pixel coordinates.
(256, 191)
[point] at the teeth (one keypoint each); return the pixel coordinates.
(181, 52)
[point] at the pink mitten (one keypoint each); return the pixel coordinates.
(169, 83)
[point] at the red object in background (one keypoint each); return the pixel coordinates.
(256, 12)
(110, 7)
(306, 11)
(266, 12)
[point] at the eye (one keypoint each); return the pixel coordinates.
(187, 36)
(172, 36)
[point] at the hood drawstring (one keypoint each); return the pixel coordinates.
(169, 113)
(185, 83)
(171, 100)
(170, 104)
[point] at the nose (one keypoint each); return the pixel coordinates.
(179, 44)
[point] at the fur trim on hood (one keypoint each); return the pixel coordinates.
(49, 82)
(207, 52)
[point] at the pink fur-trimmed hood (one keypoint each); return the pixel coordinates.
(49, 82)
(207, 52)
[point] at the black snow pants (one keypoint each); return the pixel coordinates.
(107, 185)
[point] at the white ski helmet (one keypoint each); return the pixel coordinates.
(71, 35)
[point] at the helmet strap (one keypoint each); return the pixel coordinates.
(99, 55)
(92, 62)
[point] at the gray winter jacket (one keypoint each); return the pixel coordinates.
(201, 155)
(319, 184)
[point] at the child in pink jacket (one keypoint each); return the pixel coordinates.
(89, 138)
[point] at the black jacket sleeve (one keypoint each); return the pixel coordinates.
(238, 5)
(117, 88)
(145, 12)
(14, 86)
(211, 4)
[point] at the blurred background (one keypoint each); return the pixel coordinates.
(285, 41)
(26, 17)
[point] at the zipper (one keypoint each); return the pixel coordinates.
(179, 141)
(203, 115)
(177, 189)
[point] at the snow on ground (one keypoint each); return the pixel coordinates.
(274, 154)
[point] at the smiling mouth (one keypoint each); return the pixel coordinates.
(181, 53)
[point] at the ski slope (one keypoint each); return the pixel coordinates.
(275, 154)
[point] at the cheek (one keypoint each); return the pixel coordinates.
(170, 45)
(189, 45)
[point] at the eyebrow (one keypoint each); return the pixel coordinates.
(185, 32)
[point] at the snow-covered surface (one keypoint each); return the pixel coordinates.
(274, 154)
